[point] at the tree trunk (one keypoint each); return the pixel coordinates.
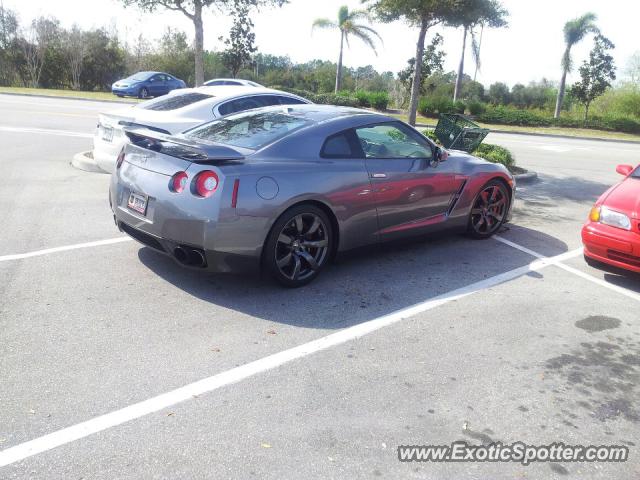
(456, 91)
(339, 69)
(586, 111)
(561, 90)
(199, 43)
(417, 74)
(563, 81)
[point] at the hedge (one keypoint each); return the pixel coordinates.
(377, 100)
(528, 118)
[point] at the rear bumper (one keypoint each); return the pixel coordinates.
(229, 242)
(613, 246)
(214, 260)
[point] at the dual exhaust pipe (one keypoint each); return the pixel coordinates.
(192, 257)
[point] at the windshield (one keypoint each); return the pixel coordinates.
(636, 173)
(249, 130)
(138, 77)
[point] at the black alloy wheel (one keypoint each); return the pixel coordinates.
(299, 245)
(489, 210)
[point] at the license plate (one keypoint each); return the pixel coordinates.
(137, 202)
(107, 133)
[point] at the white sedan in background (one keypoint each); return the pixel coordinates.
(179, 111)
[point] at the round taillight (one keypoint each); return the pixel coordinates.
(206, 183)
(179, 182)
(120, 159)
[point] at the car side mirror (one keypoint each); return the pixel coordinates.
(624, 170)
(441, 154)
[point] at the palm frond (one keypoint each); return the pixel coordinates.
(323, 23)
(343, 15)
(475, 49)
(574, 31)
(366, 38)
(360, 15)
(369, 30)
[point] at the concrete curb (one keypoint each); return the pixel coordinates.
(84, 161)
(548, 135)
(526, 177)
(58, 97)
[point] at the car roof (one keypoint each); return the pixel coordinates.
(239, 80)
(317, 113)
(226, 92)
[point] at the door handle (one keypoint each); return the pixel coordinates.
(378, 175)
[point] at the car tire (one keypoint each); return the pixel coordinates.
(489, 210)
(299, 245)
(143, 93)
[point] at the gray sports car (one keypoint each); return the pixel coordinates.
(287, 188)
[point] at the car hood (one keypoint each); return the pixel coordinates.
(624, 197)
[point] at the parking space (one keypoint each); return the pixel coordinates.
(426, 342)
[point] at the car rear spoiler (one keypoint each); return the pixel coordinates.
(180, 147)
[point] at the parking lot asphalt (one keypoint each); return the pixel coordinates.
(427, 342)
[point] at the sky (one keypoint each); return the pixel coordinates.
(529, 49)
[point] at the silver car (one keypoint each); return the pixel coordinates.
(285, 189)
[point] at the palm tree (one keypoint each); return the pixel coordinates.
(574, 31)
(348, 26)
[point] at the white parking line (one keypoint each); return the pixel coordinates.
(154, 404)
(47, 251)
(45, 131)
(575, 271)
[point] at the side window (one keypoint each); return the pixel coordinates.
(239, 105)
(392, 140)
(337, 146)
(229, 82)
(289, 100)
(154, 79)
(267, 100)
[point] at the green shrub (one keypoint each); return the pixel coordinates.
(426, 107)
(513, 116)
(458, 107)
(495, 154)
(363, 98)
(379, 100)
(477, 108)
(431, 135)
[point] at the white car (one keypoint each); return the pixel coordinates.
(179, 111)
(238, 82)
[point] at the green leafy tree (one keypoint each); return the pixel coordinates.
(596, 74)
(348, 25)
(421, 14)
(193, 9)
(432, 61)
(241, 42)
(471, 13)
(499, 94)
(574, 31)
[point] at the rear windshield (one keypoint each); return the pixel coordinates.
(177, 101)
(249, 129)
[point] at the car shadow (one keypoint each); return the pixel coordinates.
(362, 285)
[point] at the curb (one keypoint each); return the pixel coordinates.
(528, 177)
(548, 135)
(36, 95)
(84, 161)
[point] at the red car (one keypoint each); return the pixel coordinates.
(612, 232)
